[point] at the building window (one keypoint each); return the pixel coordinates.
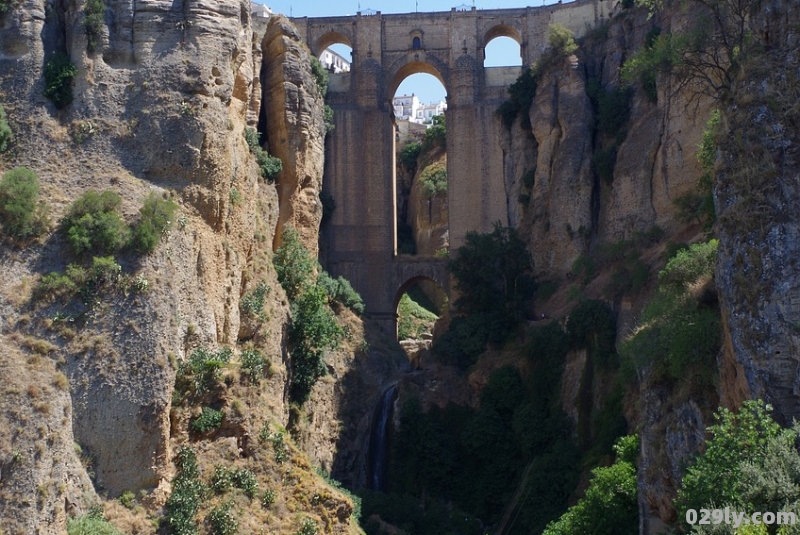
(416, 44)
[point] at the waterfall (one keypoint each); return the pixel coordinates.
(379, 440)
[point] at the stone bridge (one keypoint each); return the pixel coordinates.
(360, 153)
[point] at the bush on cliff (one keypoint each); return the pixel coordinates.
(22, 217)
(6, 135)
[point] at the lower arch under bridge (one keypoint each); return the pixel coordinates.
(361, 236)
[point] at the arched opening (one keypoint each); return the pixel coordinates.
(419, 303)
(335, 53)
(420, 164)
(502, 51)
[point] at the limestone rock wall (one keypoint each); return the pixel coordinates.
(759, 231)
(295, 130)
(166, 97)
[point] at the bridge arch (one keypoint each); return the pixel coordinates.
(416, 62)
(331, 38)
(417, 279)
(502, 30)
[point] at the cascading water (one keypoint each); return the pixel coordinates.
(379, 440)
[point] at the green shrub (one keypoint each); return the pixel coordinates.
(94, 11)
(6, 135)
(254, 365)
(659, 56)
(58, 75)
(268, 498)
(57, 285)
(434, 180)
(222, 480)
(308, 526)
(277, 441)
(321, 76)
(521, 95)
(209, 420)
(689, 265)
(715, 477)
(90, 525)
(293, 264)
(187, 495)
(253, 303)
(436, 135)
(341, 291)
(201, 372)
(21, 216)
(221, 520)
(104, 271)
(127, 499)
(313, 330)
(253, 139)
(680, 327)
(561, 41)
(609, 506)
(94, 225)
(269, 166)
(155, 218)
(245, 480)
(6, 5)
(409, 154)
(327, 119)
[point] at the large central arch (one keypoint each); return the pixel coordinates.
(359, 169)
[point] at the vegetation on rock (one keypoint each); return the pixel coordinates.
(314, 329)
(22, 216)
(609, 506)
(155, 218)
(6, 135)
(58, 75)
(94, 11)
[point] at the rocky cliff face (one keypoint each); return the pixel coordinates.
(296, 134)
(567, 207)
(160, 105)
(756, 188)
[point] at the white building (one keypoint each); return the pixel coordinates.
(260, 10)
(409, 108)
(334, 62)
(426, 112)
(405, 107)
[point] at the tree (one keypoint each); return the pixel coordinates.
(493, 274)
(609, 506)
(737, 437)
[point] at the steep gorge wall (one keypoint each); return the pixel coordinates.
(167, 97)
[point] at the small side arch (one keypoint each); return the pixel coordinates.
(502, 30)
(330, 38)
(416, 280)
